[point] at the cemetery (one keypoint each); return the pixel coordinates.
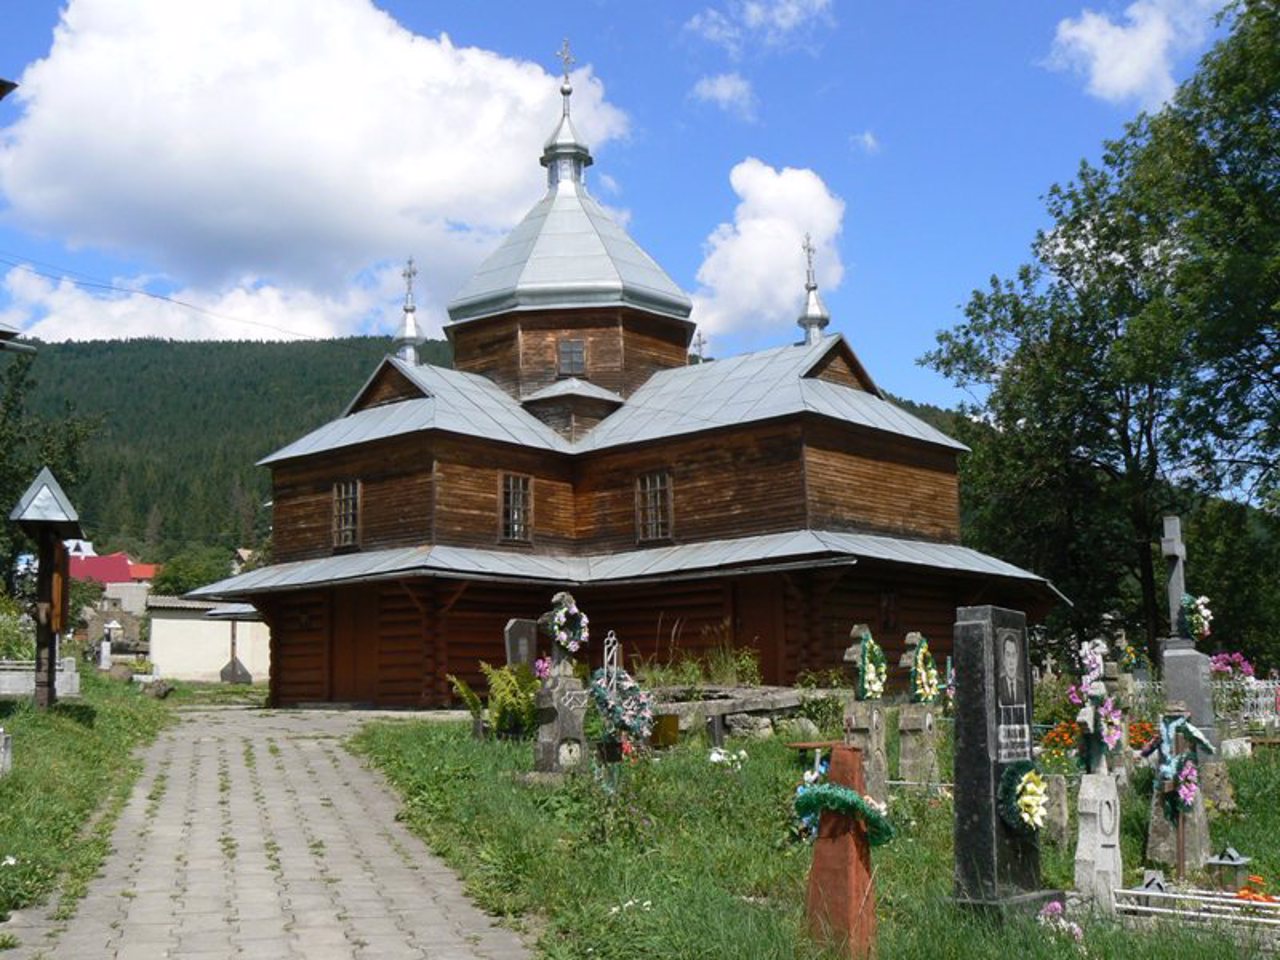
(940, 807)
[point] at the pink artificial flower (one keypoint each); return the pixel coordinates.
(542, 668)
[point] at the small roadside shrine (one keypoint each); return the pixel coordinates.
(46, 516)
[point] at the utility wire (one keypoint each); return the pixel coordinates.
(84, 280)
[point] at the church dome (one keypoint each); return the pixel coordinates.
(568, 252)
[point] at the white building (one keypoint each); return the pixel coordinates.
(188, 644)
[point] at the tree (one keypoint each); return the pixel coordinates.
(1136, 361)
(196, 566)
(27, 443)
(1077, 362)
(1213, 157)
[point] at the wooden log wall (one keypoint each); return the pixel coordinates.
(868, 481)
(741, 482)
(388, 386)
(395, 501)
(300, 633)
(490, 348)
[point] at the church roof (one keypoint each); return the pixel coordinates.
(705, 396)
(573, 387)
(754, 386)
(452, 400)
(568, 251)
(800, 546)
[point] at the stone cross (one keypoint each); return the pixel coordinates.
(1099, 871)
(1186, 670)
(1175, 553)
(997, 868)
(864, 729)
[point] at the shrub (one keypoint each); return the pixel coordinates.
(513, 690)
(17, 632)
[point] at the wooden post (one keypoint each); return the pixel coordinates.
(46, 615)
(842, 901)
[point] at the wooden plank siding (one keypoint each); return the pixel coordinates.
(741, 482)
(835, 368)
(862, 480)
(469, 494)
(520, 351)
(395, 498)
(388, 386)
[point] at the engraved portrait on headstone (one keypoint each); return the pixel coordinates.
(1013, 731)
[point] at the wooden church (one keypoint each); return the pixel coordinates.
(769, 500)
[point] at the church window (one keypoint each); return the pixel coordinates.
(573, 358)
(653, 506)
(517, 507)
(346, 513)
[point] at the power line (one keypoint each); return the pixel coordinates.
(87, 281)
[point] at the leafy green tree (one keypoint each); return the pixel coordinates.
(1213, 158)
(195, 566)
(28, 442)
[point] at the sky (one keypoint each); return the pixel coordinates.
(235, 169)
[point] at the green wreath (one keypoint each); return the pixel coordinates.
(848, 803)
(872, 670)
(1020, 783)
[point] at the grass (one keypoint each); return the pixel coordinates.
(688, 860)
(72, 772)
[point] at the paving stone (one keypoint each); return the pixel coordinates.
(320, 869)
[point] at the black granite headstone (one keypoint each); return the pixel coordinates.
(996, 867)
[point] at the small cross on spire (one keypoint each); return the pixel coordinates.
(565, 56)
(409, 272)
(699, 343)
(809, 251)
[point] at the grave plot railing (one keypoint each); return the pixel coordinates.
(1248, 920)
(1237, 700)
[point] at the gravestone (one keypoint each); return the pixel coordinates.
(1057, 818)
(918, 743)
(864, 729)
(1162, 833)
(1185, 669)
(6, 753)
(521, 638)
(1099, 872)
(996, 867)
(104, 654)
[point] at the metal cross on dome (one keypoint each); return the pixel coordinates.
(809, 250)
(565, 56)
(409, 272)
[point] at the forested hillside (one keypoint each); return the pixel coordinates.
(182, 424)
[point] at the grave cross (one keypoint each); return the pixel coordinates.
(1175, 553)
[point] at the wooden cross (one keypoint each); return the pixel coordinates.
(1175, 553)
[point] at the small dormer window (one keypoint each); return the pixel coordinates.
(573, 358)
(346, 514)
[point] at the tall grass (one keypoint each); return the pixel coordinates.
(69, 764)
(691, 860)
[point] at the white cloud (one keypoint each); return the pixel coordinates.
(1132, 59)
(866, 141)
(752, 278)
(296, 143)
(250, 310)
(759, 22)
(730, 92)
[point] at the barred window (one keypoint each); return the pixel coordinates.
(653, 506)
(517, 507)
(573, 358)
(346, 513)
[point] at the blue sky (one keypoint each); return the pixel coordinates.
(272, 165)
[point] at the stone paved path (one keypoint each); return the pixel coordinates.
(256, 834)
